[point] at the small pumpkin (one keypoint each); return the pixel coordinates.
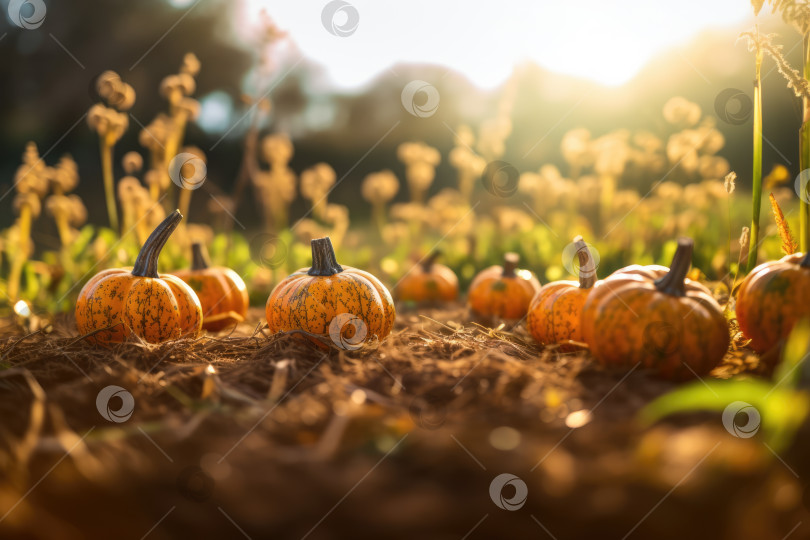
(222, 293)
(121, 303)
(503, 291)
(428, 281)
(339, 305)
(655, 316)
(556, 311)
(771, 299)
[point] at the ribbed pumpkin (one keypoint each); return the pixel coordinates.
(343, 306)
(222, 293)
(771, 299)
(654, 316)
(556, 311)
(123, 303)
(428, 282)
(503, 291)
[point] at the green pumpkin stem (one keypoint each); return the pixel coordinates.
(199, 257)
(427, 264)
(324, 262)
(587, 266)
(146, 265)
(510, 264)
(673, 282)
(805, 262)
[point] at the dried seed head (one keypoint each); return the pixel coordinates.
(78, 212)
(132, 162)
(191, 107)
(380, 187)
(66, 174)
(57, 205)
(714, 167)
(31, 200)
(191, 64)
(97, 118)
(154, 135)
(187, 83)
(316, 181)
(170, 86)
(128, 186)
(730, 182)
(107, 84)
(277, 149)
(681, 111)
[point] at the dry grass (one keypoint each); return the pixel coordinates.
(397, 441)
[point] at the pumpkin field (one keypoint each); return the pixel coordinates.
(332, 269)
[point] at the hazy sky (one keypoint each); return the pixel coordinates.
(604, 40)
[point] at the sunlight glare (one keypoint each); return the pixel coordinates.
(606, 42)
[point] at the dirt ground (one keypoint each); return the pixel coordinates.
(256, 436)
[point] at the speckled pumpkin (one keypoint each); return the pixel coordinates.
(503, 291)
(655, 317)
(222, 293)
(556, 311)
(340, 306)
(122, 303)
(771, 299)
(428, 282)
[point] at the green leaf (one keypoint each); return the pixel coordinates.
(711, 395)
(795, 353)
(781, 411)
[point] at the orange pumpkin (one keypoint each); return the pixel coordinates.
(503, 291)
(222, 293)
(654, 316)
(555, 312)
(428, 282)
(122, 303)
(341, 306)
(771, 299)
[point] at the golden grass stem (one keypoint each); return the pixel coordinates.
(757, 164)
(22, 253)
(804, 154)
(106, 147)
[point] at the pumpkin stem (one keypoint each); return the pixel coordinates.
(324, 262)
(587, 266)
(147, 261)
(805, 262)
(199, 257)
(427, 264)
(510, 263)
(673, 282)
